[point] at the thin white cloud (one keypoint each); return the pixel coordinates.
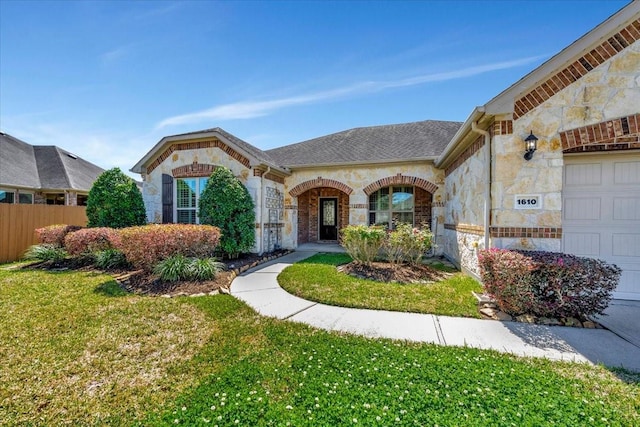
(114, 54)
(251, 109)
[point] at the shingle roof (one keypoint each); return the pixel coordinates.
(405, 141)
(43, 167)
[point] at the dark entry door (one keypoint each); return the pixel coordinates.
(328, 219)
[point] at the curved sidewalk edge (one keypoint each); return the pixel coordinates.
(259, 288)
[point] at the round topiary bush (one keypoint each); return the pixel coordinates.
(227, 204)
(115, 201)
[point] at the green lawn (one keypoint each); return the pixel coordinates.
(76, 350)
(317, 279)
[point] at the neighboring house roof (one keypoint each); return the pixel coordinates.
(398, 142)
(576, 59)
(259, 156)
(43, 167)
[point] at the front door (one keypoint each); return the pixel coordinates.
(328, 219)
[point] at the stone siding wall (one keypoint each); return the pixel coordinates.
(182, 161)
(607, 92)
(355, 207)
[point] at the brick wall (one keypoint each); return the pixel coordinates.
(422, 206)
(308, 203)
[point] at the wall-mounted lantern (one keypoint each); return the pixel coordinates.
(530, 146)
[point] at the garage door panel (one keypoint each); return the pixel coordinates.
(626, 209)
(583, 174)
(601, 213)
(583, 244)
(626, 172)
(626, 245)
(628, 281)
(582, 209)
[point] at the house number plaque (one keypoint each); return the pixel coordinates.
(528, 201)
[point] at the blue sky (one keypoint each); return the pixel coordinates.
(107, 80)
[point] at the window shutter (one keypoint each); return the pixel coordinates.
(167, 199)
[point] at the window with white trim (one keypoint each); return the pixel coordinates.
(25, 198)
(187, 198)
(391, 205)
(7, 196)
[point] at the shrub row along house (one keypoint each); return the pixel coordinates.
(574, 189)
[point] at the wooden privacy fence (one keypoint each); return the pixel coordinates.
(18, 224)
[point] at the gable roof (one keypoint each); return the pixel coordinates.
(43, 167)
(259, 156)
(607, 39)
(423, 140)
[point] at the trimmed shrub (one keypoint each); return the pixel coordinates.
(146, 246)
(115, 201)
(547, 284)
(363, 242)
(407, 244)
(55, 234)
(89, 240)
(110, 259)
(179, 267)
(46, 252)
(227, 204)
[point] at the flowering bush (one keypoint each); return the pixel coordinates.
(363, 242)
(407, 244)
(90, 240)
(147, 245)
(547, 284)
(55, 234)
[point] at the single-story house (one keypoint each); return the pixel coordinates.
(575, 188)
(43, 174)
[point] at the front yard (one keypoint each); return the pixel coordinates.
(317, 279)
(77, 350)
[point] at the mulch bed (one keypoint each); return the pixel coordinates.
(140, 282)
(399, 273)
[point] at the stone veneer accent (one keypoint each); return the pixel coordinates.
(470, 151)
(478, 230)
(193, 170)
(270, 176)
(400, 179)
(531, 232)
(194, 145)
(622, 133)
(578, 69)
(317, 183)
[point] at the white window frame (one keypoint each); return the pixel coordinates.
(390, 211)
(200, 183)
(7, 191)
(20, 193)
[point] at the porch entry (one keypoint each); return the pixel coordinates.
(328, 216)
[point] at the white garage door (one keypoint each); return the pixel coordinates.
(601, 213)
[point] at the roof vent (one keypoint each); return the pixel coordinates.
(73, 156)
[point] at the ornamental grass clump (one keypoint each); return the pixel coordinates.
(146, 246)
(110, 259)
(363, 242)
(178, 267)
(46, 252)
(547, 284)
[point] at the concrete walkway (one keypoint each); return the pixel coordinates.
(259, 288)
